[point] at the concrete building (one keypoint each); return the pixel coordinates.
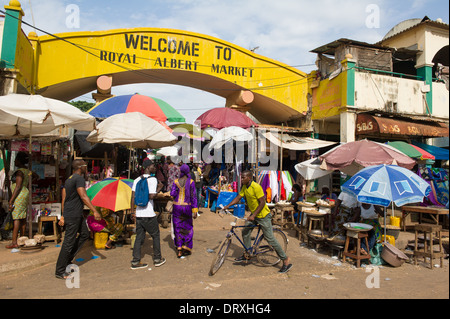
(396, 89)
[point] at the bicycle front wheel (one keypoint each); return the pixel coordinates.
(266, 254)
(220, 256)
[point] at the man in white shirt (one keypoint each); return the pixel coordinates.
(146, 219)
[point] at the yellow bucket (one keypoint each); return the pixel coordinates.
(395, 221)
(100, 240)
(389, 239)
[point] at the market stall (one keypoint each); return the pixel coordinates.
(31, 115)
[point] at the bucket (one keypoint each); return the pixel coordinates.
(393, 256)
(100, 240)
(389, 239)
(395, 221)
(239, 210)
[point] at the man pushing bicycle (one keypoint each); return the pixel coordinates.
(260, 215)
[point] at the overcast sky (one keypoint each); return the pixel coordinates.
(284, 30)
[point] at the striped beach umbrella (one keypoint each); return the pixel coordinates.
(152, 107)
(111, 193)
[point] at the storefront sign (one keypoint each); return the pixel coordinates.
(368, 124)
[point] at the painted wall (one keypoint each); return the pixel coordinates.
(440, 100)
(374, 91)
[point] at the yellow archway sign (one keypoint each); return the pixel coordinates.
(69, 64)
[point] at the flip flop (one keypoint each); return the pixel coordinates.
(63, 276)
(108, 248)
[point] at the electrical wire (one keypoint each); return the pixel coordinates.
(144, 74)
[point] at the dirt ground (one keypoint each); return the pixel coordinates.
(315, 275)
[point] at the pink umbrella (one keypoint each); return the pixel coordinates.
(222, 117)
(352, 157)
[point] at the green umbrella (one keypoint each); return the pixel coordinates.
(405, 148)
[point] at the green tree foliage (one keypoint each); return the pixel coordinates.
(82, 105)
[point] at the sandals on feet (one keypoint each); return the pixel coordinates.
(63, 276)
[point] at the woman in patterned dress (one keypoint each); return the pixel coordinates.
(185, 209)
(18, 203)
(109, 225)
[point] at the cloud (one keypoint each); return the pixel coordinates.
(284, 30)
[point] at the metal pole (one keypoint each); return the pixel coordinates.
(30, 175)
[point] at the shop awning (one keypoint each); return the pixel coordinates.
(369, 124)
(438, 152)
(296, 143)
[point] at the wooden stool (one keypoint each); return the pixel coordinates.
(315, 223)
(56, 236)
(428, 251)
(356, 236)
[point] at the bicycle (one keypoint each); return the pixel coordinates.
(261, 249)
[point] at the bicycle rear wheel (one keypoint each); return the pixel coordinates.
(266, 254)
(219, 258)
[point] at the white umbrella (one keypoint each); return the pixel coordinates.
(132, 129)
(25, 115)
(230, 133)
(310, 169)
(168, 151)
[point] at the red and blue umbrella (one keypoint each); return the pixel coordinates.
(152, 107)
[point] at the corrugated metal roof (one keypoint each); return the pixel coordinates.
(332, 46)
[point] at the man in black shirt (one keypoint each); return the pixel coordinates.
(74, 198)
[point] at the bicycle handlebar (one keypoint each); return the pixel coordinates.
(229, 213)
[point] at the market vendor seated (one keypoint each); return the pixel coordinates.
(106, 224)
(368, 214)
(297, 196)
(326, 194)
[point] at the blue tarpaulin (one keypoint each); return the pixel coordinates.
(438, 152)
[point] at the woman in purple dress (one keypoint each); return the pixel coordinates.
(185, 209)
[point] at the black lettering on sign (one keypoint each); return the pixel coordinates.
(232, 70)
(117, 57)
(176, 64)
(226, 55)
(171, 45)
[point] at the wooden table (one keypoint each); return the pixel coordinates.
(433, 211)
(300, 226)
(278, 213)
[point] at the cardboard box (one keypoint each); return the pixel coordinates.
(55, 209)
